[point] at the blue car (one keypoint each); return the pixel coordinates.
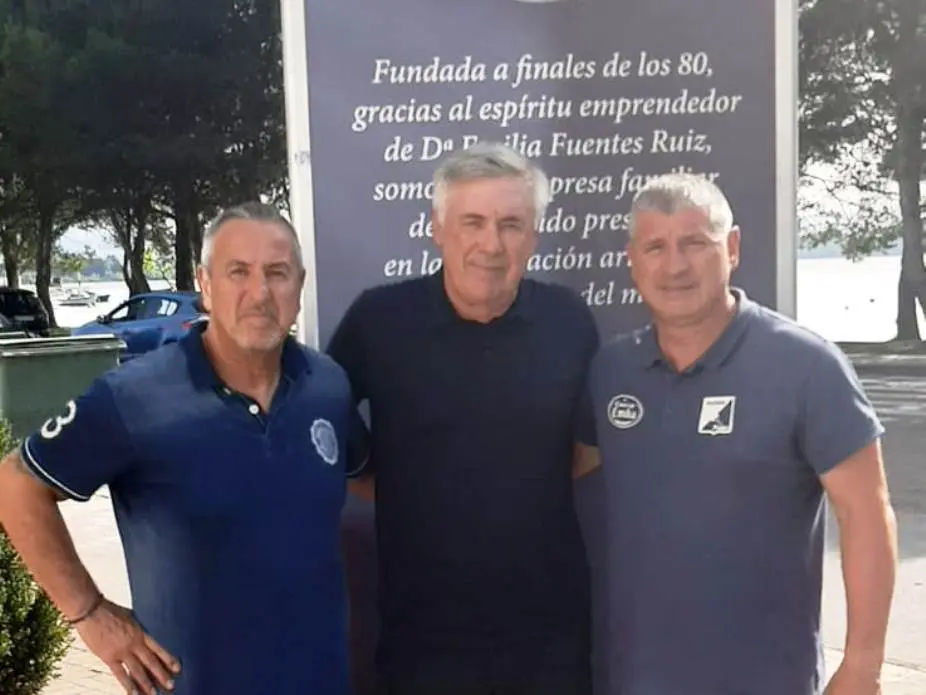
(147, 321)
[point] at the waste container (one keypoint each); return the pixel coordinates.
(38, 376)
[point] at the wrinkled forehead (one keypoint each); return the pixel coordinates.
(498, 196)
(253, 242)
(683, 221)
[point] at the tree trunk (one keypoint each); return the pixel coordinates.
(133, 264)
(137, 261)
(44, 247)
(186, 221)
(912, 285)
(10, 256)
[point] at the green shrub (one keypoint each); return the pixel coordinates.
(33, 635)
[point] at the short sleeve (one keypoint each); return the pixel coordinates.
(82, 448)
(358, 446)
(837, 418)
(586, 432)
(346, 347)
(584, 425)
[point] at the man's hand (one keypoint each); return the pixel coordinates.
(854, 681)
(136, 660)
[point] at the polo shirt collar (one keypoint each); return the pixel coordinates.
(296, 361)
(444, 312)
(718, 353)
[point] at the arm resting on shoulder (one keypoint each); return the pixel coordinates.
(29, 513)
(585, 459)
(857, 489)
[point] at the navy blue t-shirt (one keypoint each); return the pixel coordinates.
(229, 516)
(473, 428)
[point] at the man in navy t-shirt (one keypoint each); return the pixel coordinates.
(226, 456)
(474, 379)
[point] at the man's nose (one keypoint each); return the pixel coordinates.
(491, 240)
(258, 287)
(676, 260)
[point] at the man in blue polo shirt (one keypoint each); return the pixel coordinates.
(225, 455)
(720, 428)
(473, 378)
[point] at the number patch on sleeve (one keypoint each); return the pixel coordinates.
(53, 426)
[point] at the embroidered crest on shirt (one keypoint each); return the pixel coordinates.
(717, 415)
(325, 440)
(625, 411)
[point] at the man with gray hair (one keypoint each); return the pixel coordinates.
(218, 452)
(720, 428)
(473, 378)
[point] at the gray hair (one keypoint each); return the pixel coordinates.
(254, 211)
(490, 160)
(673, 193)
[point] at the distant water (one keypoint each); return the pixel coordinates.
(847, 301)
(838, 299)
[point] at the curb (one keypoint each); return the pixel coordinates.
(888, 362)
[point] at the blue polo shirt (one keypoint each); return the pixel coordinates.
(481, 560)
(715, 506)
(229, 516)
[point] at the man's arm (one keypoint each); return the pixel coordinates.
(70, 457)
(840, 438)
(857, 489)
(348, 349)
(585, 456)
(29, 514)
(363, 487)
(360, 469)
(585, 459)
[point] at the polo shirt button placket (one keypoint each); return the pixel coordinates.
(665, 415)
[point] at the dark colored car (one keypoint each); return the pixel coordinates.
(24, 310)
(8, 329)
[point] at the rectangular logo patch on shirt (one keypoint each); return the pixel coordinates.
(717, 415)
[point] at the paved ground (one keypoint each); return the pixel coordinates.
(901, 400)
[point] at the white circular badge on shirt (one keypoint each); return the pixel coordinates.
(325, 440)
(625, 411)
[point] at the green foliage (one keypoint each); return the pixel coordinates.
(33, 636)
(138, 118)
(849, 204)
(862, 78)
(69, 263)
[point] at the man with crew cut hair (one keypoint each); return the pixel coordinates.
(721, 427)
(226, 456)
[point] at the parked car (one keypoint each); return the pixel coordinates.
(8, 329)
(24, 309)
(147, 321)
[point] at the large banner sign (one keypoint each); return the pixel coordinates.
(602, 94)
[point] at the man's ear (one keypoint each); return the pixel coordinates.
(205, 287)
(437, 229)
(733, 246)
